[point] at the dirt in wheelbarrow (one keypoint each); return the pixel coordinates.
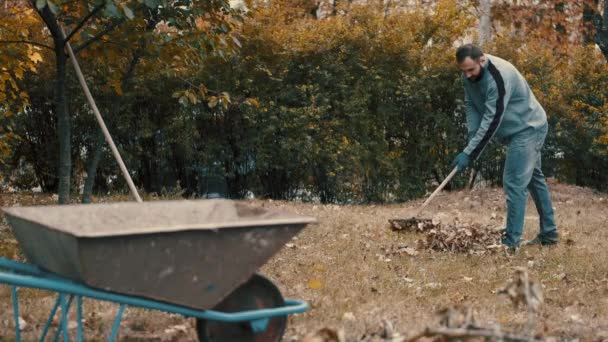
(367, 281)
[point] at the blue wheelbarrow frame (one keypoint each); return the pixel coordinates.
(18, 274)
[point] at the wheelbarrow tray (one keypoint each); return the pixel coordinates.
(190, 253)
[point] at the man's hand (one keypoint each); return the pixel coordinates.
(462, 161)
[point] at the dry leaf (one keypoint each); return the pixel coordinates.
(462, 238)
(181, 329)
(403, 249)
(22, 324)
(325, 335)
(524, 291)
(414, 224)
(348, 316)
(385, 332)
(315, 284)
(460, 316)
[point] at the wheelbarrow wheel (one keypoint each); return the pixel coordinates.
(257, 293)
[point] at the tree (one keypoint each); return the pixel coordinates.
(90, 22)
(485, 21)
(17, 58)
(600, 22)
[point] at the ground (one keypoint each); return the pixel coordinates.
(351, 269)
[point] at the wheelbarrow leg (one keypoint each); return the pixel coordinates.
(47, 326)
(79, 318)
(65, 308)
(116, 325)
(15, 297)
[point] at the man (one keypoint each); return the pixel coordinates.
(499, 103)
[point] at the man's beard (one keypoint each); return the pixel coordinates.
(479, 76)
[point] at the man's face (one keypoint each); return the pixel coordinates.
(471, 68)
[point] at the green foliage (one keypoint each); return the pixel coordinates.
(357, 108)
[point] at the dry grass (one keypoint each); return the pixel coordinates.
(346, 267)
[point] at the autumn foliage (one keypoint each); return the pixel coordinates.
(346, 103)
(15, 62)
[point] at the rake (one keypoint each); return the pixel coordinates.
(412, 222)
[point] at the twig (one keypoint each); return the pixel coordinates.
(529, 304)
(98, 36)
(26, 42)
(84, 20)
(473, 332)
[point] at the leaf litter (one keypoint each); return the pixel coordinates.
(458, 237)
(456, 322)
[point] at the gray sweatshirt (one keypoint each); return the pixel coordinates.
(500, 104)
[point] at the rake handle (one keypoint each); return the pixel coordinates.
(439, 188)
(100, 121)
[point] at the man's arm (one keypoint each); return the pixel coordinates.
(492, 116)
(473, 116)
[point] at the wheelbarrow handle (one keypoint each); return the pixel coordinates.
(439, 188)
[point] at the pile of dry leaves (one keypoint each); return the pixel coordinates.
(455, 237)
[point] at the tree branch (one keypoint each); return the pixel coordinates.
(105, 31)
(51, 22)
(84, 20)
(25, 42)
(98, 36)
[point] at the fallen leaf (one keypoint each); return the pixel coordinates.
(315, 284)
(22, 324)
(325, 335)
(348, 316)
(177, 329)
(522, 290)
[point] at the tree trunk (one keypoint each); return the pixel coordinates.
(93, 162)
(64, 134)
(114, 111)
(63, 124)
(485, 21)
(590, 16)
(601, 26)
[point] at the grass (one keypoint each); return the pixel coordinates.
(343, 267)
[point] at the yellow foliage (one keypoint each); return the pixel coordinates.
(252, 102)
(18, 23)
(116, 85)
(400, 31)
(35, 57)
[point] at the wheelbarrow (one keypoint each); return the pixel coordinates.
(194, 258)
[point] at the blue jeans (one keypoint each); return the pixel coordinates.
(522, 173)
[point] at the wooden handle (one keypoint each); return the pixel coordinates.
(100, 121)
(439, 188)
